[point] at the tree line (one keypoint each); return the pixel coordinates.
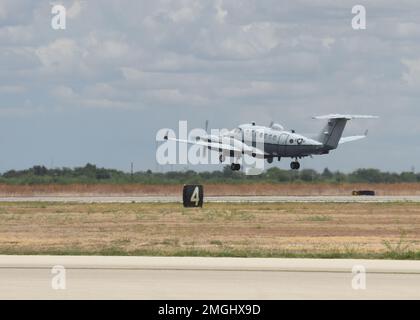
(90, 173)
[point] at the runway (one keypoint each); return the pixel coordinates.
(230, 199)
(95, 277)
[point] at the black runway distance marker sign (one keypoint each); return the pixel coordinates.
(193, 196)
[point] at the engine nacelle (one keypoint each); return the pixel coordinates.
(208, 138)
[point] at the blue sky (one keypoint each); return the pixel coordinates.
(99, 91)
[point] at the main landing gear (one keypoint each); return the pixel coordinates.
(295, 165)
(235, 166)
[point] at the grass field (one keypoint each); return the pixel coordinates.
(259, 189)
(352, 230)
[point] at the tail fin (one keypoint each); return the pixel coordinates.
(331, 134)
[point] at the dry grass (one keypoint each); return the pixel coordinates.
(210, 189)
(352, 230)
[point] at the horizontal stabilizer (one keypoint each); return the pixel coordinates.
(351, 138)
(345, 116)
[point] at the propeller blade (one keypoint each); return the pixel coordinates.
(207, 126)
(204, 152)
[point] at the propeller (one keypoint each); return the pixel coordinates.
(206, 127)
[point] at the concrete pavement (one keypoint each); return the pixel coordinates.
(94, 277)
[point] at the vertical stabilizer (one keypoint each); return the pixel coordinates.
(331, 134)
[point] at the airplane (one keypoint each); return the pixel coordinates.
(276, 142)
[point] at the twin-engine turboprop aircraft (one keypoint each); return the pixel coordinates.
(275, 142)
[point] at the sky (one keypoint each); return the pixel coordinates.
(99, 90)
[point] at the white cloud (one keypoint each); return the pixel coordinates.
(61, 55)
(64, 92)
(75, 9)
(12, 89)
(221, 13)
(104, 103)
(412, 75)
(327, 42)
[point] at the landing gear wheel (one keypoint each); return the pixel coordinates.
(222, 158)
(235, 166)
(294, 165)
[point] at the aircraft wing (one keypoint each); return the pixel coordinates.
(237, 148)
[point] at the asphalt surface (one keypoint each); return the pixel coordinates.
(93, 277)
(232, 199)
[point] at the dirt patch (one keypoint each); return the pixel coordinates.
(292, 189)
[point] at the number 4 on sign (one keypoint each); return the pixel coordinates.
(192, 196)
(196, 196)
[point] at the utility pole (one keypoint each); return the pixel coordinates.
(132, 171)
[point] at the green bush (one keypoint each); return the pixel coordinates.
(91, 174)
